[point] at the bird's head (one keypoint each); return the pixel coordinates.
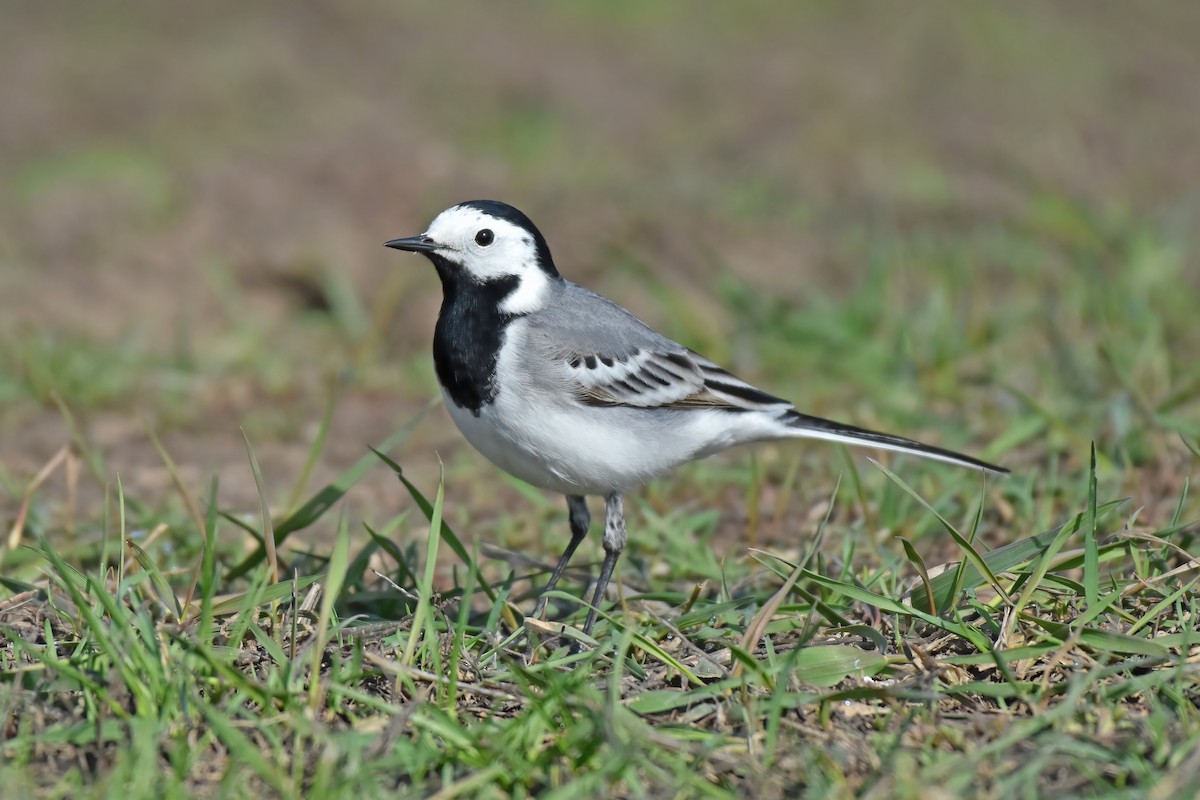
(488, 242)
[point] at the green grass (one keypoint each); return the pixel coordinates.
(1068, 652)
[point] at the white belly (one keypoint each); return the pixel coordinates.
(565, 453)
(583, 450)
(536, 430)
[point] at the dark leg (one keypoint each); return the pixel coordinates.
(580, 519)
(614, 543)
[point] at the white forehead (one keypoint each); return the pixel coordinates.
(459, 223)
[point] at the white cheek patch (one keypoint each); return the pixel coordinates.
(512, 252)
(530, 294)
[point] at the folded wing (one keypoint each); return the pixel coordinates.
(662, 378)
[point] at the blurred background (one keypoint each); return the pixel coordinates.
(970, 223)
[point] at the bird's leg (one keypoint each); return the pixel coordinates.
(614, 543)
(580, 519)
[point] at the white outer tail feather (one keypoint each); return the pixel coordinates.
(803, 426)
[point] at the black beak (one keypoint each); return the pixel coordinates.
(413, 244)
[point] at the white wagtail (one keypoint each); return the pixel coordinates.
(572, 393)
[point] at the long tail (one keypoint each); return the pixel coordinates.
(809, 427)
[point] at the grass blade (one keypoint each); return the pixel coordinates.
(915, 559)
(425, 591)
(268, 533)
(208, 567)
(241, 747)
(448, 535)
(1091, 555)
(321, 502)
(1005, 558)
(338, 563)
(895, 607)
(268, 594)
(162, 589)
(827, 665)
(968, 549)
(314, 451)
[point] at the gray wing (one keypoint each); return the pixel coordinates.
(609, 357)
(605, 356)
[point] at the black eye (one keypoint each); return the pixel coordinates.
(485, 237)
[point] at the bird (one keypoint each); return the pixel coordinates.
(571, 393)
